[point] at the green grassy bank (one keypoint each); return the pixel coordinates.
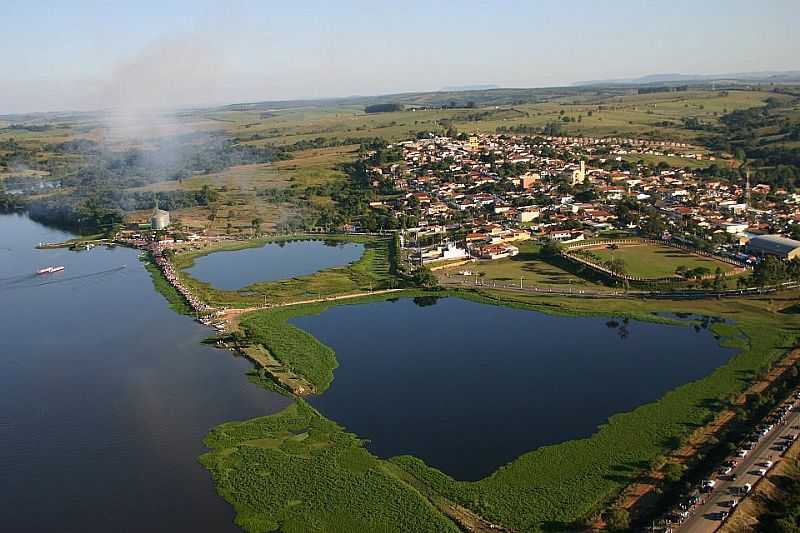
(176, 301)
(554, 487)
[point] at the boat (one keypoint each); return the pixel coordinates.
(49, 270)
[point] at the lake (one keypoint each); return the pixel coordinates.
(237, 269)
(106, 395)
(468, 387)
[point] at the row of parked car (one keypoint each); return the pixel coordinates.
(726, 470)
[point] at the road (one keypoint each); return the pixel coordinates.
(704, 518)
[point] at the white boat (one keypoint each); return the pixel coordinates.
(49, 270)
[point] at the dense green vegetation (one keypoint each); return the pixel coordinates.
(783, 514)
(563, 485)
(383, 108)
(302, 473)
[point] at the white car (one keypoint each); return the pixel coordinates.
(741, 453)
(762, 471)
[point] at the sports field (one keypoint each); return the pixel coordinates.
(657, 261)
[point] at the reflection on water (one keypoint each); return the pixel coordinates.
(469, 387)
(275, 261)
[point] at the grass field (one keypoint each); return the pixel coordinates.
(371, 271)
(559, 486)
(528, 265)
(654, 261)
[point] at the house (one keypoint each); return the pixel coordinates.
(734, 228)
(497, 251)
(528, 214)
(526, 181)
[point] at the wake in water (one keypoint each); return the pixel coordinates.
(33, 280)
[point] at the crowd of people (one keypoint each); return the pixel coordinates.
(168, 270)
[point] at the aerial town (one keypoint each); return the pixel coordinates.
(476, 196)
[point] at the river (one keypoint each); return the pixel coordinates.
(106, 395)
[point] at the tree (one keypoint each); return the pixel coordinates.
(256, 224)
(618, 519)
(673, 472)
(769, 271)
(698, 273)
(617, 266)
(550, 249)
(424, 278)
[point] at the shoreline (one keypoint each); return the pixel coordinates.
(563, 305)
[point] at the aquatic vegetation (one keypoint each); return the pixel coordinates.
(302, 473)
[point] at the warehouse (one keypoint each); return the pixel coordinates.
(775, 245)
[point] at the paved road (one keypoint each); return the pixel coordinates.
(704, 518)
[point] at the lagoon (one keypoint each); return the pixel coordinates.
(234, 270)
(468, 387)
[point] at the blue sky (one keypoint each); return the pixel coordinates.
(84, 54)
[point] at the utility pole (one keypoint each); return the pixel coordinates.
(520, 281)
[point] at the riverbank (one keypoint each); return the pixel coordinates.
(569, 483)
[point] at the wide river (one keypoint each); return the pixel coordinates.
(105, 395)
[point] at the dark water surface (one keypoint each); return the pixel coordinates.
(469, 387)
(274, 261)
(105, 395)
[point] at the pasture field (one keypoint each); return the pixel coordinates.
(654, 261)
(372, 271)
(560, 486)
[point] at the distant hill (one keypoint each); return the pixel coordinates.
(750, 77)
(481, 97)
(491, 95)
(459, 88)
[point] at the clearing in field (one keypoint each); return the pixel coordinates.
(657, 261)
